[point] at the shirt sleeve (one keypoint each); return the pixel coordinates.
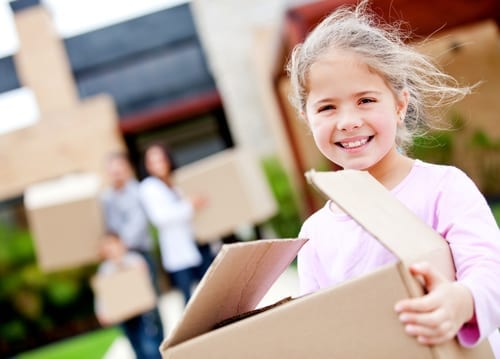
(130, 223)
(135, 228)
(108, 212)
(305, 265)
(161, 206)
(467, 223)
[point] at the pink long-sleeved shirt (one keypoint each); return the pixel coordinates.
(446, 199)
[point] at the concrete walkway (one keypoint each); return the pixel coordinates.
(172, 305)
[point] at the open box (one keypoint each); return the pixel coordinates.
(353, 320)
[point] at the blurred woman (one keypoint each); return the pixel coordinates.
(172, 215)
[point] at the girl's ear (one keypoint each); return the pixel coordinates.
(303, 115)
(402, 104)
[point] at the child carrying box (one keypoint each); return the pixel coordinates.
(124, 294)
(364, 93)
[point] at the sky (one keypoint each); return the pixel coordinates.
(18, 108)
(73, 17)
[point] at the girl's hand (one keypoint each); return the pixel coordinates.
(437, 316)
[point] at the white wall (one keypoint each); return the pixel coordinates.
(226, 28)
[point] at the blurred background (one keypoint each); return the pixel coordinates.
(79, 79)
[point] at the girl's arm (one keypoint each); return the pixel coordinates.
(468, 307)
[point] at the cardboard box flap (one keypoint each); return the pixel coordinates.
(375, 208)
(235, 283)
(64, 189)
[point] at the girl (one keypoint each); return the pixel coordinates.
(364, 93)
(172, 215)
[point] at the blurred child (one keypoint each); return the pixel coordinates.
(123, 211)
(144, 331)
(364, 93)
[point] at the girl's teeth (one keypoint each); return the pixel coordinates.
(354, 143)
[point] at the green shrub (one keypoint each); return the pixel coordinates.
(37, 306)
(482, 155)
(496, 212)
(286, 223)
(435, 148)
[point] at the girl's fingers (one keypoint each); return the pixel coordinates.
(430, 277)
(428, 328)
(431, 320)
(426, 335)
(426, 303)
(419, 305)
(437, 316)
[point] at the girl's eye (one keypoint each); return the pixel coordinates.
(366, 100)
(326, 108)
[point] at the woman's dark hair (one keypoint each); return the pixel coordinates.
(166, 152)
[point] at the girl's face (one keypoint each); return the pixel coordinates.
(157, 163)
(352, 113)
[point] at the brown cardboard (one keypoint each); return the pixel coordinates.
(41, 61)
(123, 294)
(236, 188)
(65, 220)
(353, 320)
(76, 139)
(228, 290)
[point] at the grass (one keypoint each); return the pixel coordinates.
(91, 345)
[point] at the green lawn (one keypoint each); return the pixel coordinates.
(91, 345)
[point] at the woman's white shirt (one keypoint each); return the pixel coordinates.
(172, 216)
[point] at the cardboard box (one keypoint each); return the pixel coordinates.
(76, 139)
(66, 220)
(353, 320)
(113, 293)
(42, 63)
(237, 191)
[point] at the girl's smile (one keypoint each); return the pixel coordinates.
(354, 143)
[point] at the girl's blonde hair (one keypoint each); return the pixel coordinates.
(383, 48)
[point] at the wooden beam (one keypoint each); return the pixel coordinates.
(171, 113)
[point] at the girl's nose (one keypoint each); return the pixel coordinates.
(348, 122)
